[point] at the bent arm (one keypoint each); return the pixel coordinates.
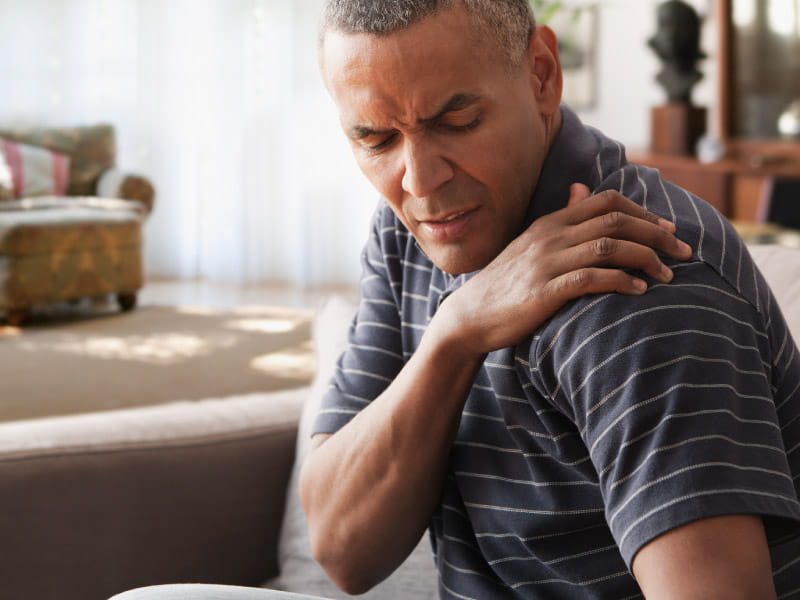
(371, 487)
(724, 558)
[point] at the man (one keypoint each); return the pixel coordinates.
(563, 431)
(626, 443)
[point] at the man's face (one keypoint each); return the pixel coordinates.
(446, 132)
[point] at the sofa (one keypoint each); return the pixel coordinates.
(204, 491)
(70, 220)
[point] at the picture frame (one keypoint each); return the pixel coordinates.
(576, 30)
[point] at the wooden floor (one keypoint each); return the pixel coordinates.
(221, 295)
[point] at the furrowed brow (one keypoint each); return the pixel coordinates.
(456, 102)
(359, 132)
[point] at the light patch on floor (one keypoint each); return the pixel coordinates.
(166, 348)
(297, 362)
(264, 325)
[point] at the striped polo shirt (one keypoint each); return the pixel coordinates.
(619, 419)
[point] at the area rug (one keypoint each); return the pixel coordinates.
(108, 360)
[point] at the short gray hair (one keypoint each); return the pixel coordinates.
(508, 22)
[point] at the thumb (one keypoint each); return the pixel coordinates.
(578, 192)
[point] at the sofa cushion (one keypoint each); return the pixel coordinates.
(780, 266)
(417, 578)
(102, 502)
(35, 171)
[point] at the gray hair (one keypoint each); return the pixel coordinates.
(508, 22)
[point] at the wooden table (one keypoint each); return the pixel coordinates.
(735, 186)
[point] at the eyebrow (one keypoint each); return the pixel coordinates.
(458, 101)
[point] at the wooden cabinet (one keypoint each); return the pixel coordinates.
(735, 186)
(739, 184)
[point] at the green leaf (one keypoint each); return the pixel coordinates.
(550, 11)
(545, 10)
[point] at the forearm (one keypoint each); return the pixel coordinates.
(370, 489)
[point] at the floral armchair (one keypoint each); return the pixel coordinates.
(70, 221)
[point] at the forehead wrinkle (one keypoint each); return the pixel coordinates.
(457, 101)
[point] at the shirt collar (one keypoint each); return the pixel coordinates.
(570, 160)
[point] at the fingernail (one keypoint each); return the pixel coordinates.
(684, 247)
(640, 286)
(667, 273)
(668, 225)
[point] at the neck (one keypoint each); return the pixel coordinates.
(552, 126)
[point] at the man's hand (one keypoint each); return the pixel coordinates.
(560, 257)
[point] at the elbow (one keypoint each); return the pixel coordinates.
(333, 545)
(348, 573)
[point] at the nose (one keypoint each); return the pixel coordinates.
(426, 170)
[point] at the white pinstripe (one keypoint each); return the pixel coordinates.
(643, 403)
(664, 506)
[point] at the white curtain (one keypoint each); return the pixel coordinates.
(220, 103)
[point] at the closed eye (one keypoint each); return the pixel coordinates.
(374, 144)
(459, 128)
(459, 119)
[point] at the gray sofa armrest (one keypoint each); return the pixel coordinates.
(188, 492)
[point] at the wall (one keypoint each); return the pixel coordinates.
(221, 104)
(627, 68)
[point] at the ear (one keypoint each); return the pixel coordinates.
(547, 78)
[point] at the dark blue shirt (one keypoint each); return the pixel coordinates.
(619, 419)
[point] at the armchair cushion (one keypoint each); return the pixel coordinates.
(6, 184)
(34, 170)
(91, 149)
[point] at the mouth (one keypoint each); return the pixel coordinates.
(452, 217)
(449, 218)
(449, 227)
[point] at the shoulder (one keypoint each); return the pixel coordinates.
(598, 343)
(714, 240)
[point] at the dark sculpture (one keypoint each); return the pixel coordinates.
(677, 44)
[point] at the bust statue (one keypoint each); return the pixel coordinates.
(677, 44)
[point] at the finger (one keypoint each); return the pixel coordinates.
(578, 192)
(609, 201)
(611, 252)
(576, 284)
(623, 226)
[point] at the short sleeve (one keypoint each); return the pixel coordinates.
(673, 395)
(374, 355)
